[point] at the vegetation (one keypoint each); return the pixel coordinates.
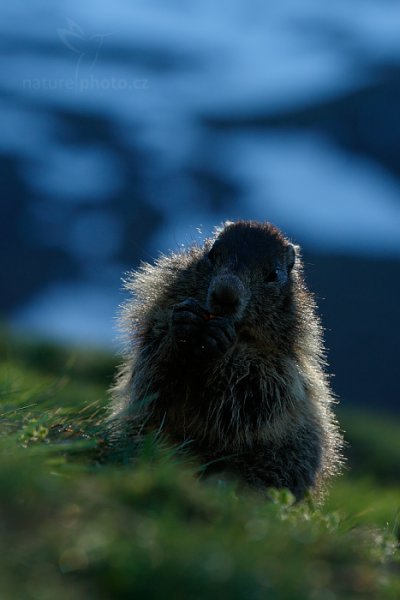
(77, 523)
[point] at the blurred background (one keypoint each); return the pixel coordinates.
(132, 127)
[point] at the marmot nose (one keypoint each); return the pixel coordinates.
(225, 296)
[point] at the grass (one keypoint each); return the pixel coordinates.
(75, 526)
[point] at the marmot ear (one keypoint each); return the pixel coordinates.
(228, 224)
(220, 228)
(291, 252)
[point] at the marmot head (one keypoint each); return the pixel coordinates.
(250, 279)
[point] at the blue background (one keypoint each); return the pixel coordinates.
(130, 128)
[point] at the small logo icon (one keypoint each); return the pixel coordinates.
(87, 47)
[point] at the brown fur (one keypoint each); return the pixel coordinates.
(225, 351)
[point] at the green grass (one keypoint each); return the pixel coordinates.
(76, 526)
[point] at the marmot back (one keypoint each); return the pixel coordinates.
(226, 352)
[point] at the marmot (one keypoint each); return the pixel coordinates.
(226, 352)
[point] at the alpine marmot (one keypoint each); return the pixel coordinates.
(225, 352)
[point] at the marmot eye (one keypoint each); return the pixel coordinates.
(273, 276)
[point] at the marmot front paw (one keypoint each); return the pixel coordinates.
(188, 319)
(198, 332)
(218, 336)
